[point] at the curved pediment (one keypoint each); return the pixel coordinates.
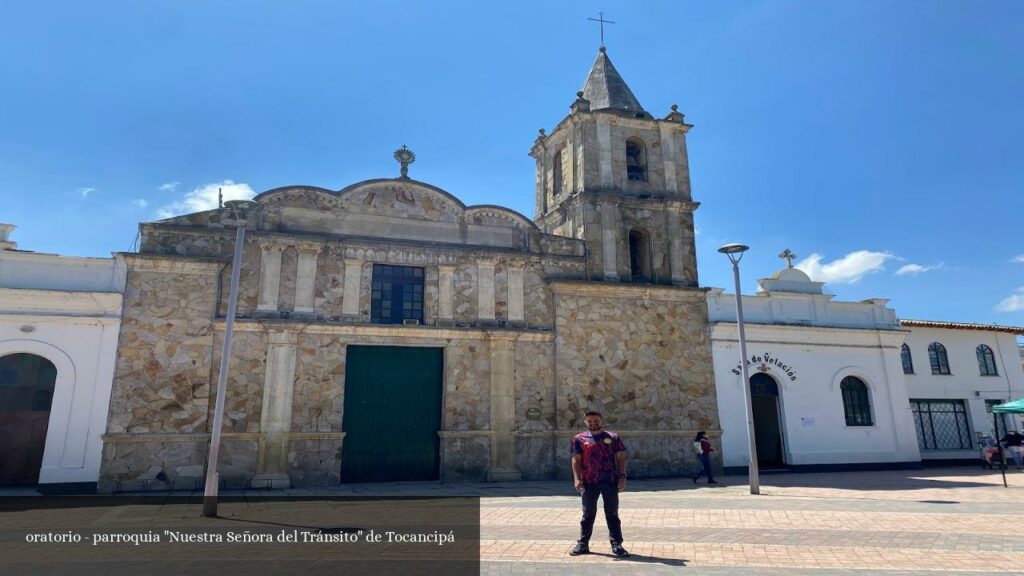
(399, 209)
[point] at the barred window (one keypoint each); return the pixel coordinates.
(986, 361)
(855, 402)
(937, 357)
(941, 424)
(908, 362)
(396, 294)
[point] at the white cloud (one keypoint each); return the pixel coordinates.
(1012, 303)
(846, 270)
(85, 191)
(141, 203)
(915, 269)
(169, 186)
(205, 198)
(1019, 259)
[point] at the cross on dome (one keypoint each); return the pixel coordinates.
(788, 256)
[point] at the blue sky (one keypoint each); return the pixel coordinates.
(867, 136)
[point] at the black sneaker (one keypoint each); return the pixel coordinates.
(579, 548)
(712, 482)
(619, 551)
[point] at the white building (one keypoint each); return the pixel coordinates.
(833, 386)
(828, 388)
(59, 321)
(955, 373)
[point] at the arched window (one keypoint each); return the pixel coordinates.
(639, 256)
(855, 402)
(556, 173)
(938, 359)
(986, 361)
(908, 362)
(636, 160)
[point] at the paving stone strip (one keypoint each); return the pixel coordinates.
(764, 519)
(766, 555)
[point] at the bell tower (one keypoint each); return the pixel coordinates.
(618, 178)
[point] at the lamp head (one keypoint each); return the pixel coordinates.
(240, 209)
(734, 251)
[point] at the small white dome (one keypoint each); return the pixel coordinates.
(791, 275)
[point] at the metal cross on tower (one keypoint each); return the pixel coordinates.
(600, 18)
(788, 256)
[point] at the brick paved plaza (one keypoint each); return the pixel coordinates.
(953, 520)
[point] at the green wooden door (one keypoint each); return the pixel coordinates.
(392, 414)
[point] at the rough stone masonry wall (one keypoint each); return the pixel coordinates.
(163, 372)
(161, 393)
(642, 356)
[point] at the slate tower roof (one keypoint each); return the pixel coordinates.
(606, 90)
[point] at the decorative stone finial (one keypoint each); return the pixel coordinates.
(602, 49)
(404, 156)
(581, 104)
(675, 115)
(543, 132)
(5, 234)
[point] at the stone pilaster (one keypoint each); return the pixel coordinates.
(668, 152)
(270, 277)
(604, 158)
(306, 278)
(353, 275)
(516, 294)
(276, 419)
(445, 295)
(485, 290)
(503, 406)
(609, 226)
(675, 246)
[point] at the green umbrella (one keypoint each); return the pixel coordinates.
(1015, 407)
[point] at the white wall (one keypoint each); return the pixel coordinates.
(965, 381)
(814, 424)
(67, 310)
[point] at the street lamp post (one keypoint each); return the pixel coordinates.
(238, 209)
(735, 254)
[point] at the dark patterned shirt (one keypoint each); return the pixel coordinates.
(597, 456)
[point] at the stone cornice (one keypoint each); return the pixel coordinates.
(353, 244)
(675, 202)
(122, 438)
(173, 264)
(711, 432)
(125, 438)
(465, 433)
(430, 333)
(631, 291)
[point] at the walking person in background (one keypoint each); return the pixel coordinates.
(702, 446)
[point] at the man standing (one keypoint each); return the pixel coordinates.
(599, 469)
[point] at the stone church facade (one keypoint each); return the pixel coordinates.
(387, 331)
